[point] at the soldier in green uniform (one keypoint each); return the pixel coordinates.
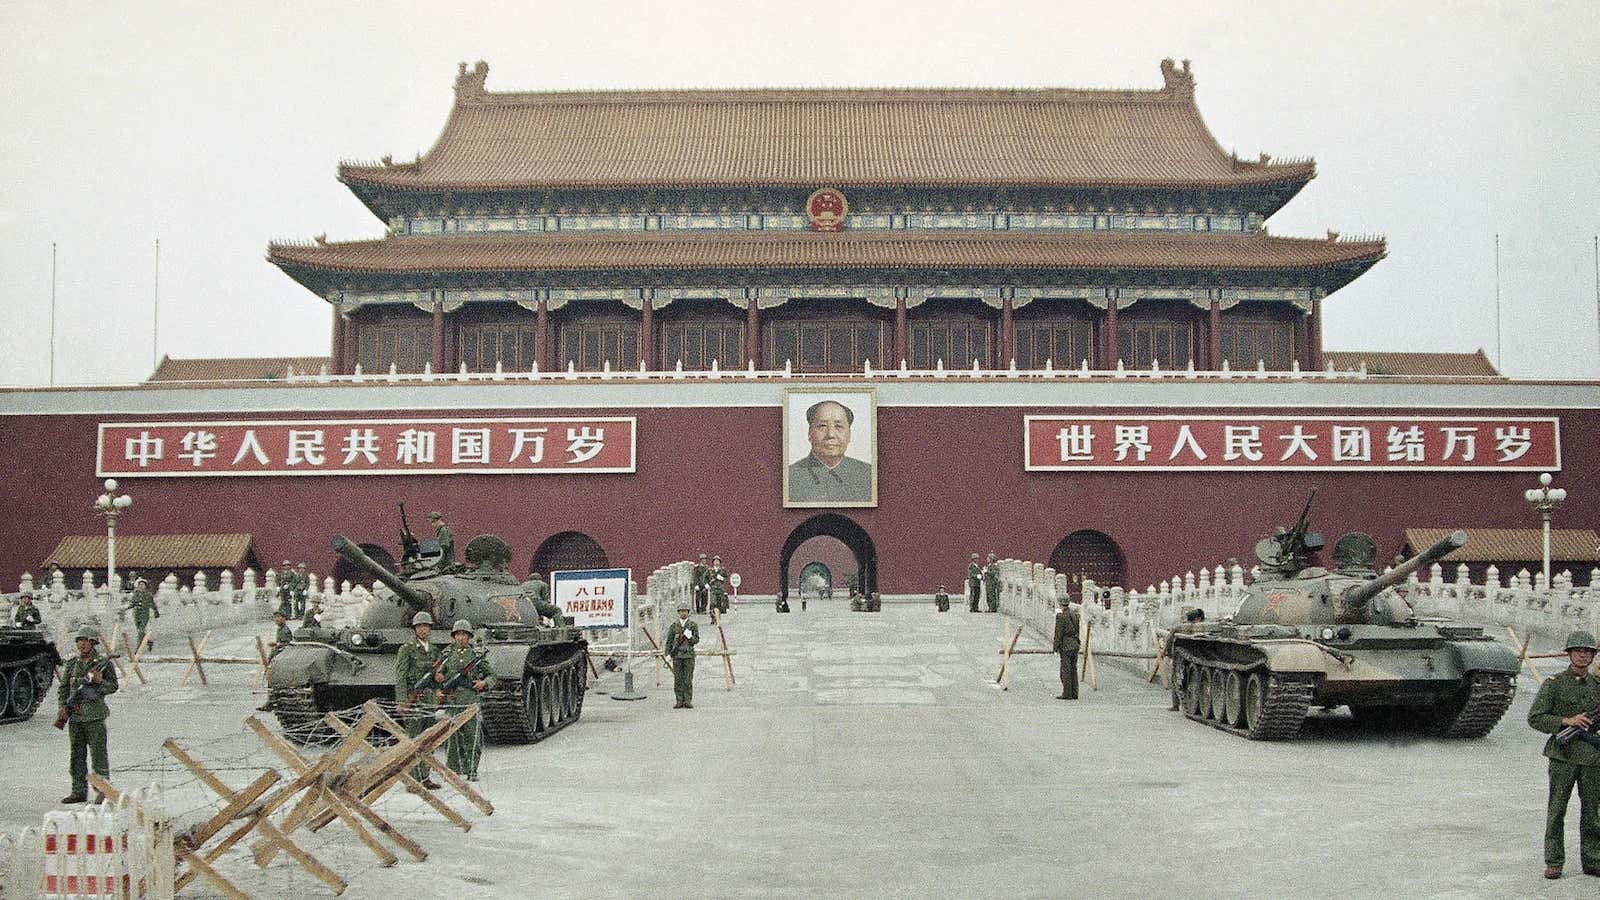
(698, 584)
(416, 659)
(466, 745)
(284, 636)
(85, 720)
(717, 585)
(681, 638)
(536, 592)
(1570, 699)
(313, 616)
(991, 584)
(941, 600)
(285, 577)
(446, 539)
(143, 605)
(1066, 644)
(26, 615)
(974, 571)
(302, 589)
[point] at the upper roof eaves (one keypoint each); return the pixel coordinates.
(845, 137)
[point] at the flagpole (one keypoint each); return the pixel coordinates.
(52, 312)
(155, 313)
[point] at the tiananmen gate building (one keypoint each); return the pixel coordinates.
(876, 329)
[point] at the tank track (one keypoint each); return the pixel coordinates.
(505, 713)
(1489, 695)
(1286, 703)
(298, 714)
(43, 671)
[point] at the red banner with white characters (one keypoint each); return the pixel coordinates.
(544, 445)
(1290, 443)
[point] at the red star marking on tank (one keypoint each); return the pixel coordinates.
(509, 604)
(1273, 602)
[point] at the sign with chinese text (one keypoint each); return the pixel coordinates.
(545, 445)
(594, 598)
(1290, 443)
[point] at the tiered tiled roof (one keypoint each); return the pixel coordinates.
(1454, 365)
(1513, 544)
(310, 263)
(252, 368)
(154, 551)
(816, 137)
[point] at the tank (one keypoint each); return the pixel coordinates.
(540, 669)
(28, 661)
(1306, 637)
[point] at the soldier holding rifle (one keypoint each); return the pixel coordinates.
(416, 675)
(681, 638)
(1571, 700)
(86, 679)
(466, 676)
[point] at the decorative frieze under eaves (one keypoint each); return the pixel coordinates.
(1233, 222)
(885, 296)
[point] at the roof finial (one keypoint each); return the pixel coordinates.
(1178, 81)
(469, 85)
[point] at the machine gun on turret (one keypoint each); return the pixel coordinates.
(410, 548)
(1291, 549)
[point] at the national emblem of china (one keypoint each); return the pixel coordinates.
(826, 208)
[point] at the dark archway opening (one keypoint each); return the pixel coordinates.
(836, 526)
(568, 550)
(1092, 555)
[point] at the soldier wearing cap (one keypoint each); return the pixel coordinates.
(991, 584)
(698, 585)
(466, 745)
(301, 590)
(941, 600)
(446, 539)
(1066, 644)
(717, 586)
(26, 615)
(974, 573)
(284, 636)
(681, 638)
(537, 593)
(143, 605)
(414, 661)
(1571, 699)
(86, 721)
(285, 576)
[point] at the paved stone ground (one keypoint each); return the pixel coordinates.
(868, 755)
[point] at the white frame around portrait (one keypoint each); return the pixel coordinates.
(863, 402)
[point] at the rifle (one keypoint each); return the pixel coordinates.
(409, 546)
(86, 693)
(454, 682)
(1571, 733)
(425, 681)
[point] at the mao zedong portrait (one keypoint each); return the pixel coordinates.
(827, 475)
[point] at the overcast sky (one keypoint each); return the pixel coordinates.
(218, 127)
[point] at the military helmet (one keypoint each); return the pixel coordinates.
(88, 633)
(421, 618)
(26, 595)
(1065, 599)
(702, 556)
(974, 556)
(435, 516)
(684, 604)
(141, 580)
(1580, 640)
(461, 625)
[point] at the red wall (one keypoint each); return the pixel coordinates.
(951, 480)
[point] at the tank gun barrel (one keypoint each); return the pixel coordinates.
(1361, 593)
(413, 598)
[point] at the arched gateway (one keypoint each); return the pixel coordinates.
(568, 550)
(836, 526)
(1089, 554)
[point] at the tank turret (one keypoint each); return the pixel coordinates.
(1356, 599)
(419, 601)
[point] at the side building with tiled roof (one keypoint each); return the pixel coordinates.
(826, 230)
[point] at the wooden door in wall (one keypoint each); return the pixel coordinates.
(956, 341)
(588, 345)
(1089, 555)
(1249, 342)
(1143, 342)
(832, 345)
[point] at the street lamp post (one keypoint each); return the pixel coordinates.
(1544, 500)
(111, 505)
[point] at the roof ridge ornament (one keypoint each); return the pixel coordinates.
(1179, 82)
(470, 85)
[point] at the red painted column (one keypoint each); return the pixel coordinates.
(352, 346)
(1314, 339)
(541, 338)
(1214, 336)
(438, 337)
(1112, 343)
(1302, 341)
(900, 341)
(336, 352)
(752, 333)
(1008, 334)
(647, 335)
